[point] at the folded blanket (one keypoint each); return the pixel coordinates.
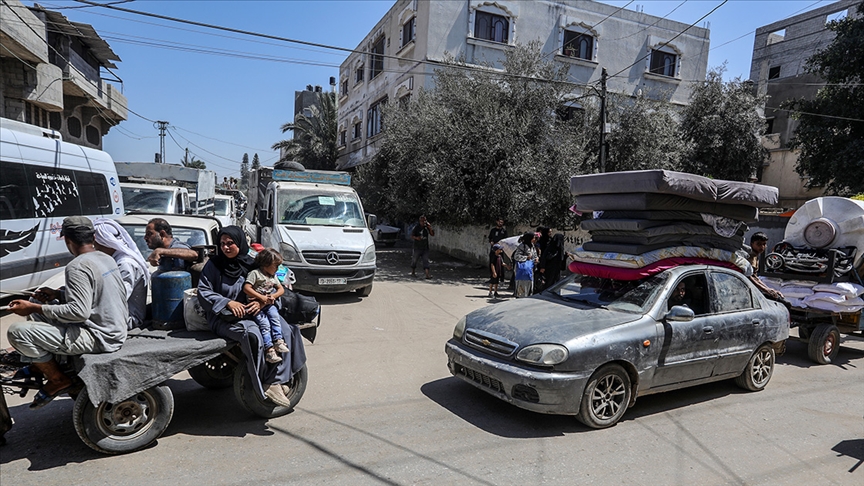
(625, 260)
(641, 244)
(640, 201)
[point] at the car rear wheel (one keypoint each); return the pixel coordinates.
(759, 369)
(606, 397)
(824, 343)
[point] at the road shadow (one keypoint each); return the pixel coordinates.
(796, 355)
(47, 438)
(394, 265)
(500, 418)
(853, 448)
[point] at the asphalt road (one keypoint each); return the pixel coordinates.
(381, 408)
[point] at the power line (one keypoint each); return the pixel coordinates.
(815, 114)
(667, 42)
(753, 31)
(652, 25)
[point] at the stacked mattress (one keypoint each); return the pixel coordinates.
(644, 217)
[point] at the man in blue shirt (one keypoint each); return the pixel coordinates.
(169, 254)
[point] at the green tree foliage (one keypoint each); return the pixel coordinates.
(244, 172)
(256, 163)
(191, 162)
(722, 126)
(832, 149)
(645, 135)
(480, 144)
(314, 144)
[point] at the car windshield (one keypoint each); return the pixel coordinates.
(190, 236)
(317, 207)
(222, 207)
(146, 199)
(634, 296)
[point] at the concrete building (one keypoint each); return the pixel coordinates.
(402, 51)
(50, 74)
(780, 53)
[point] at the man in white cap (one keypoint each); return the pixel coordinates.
(111, 238)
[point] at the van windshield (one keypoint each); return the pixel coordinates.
(222, 207)
(318, 207)
(146, 199)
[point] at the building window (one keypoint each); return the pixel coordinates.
(343, 87)
(357, 131)
(404, 101)
(769, 125)
(774, 72)
(55, 120)
(577, 44)
(491, 27)
(377, 64)
(568, 113)
(374, 121)
(73, 125)
(343, 138)
(663, 63)
(408, 31)
(358, 74)
(93, 135)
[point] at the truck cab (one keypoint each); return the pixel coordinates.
(316, 221)
(155, 198)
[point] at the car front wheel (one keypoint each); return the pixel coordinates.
(606, 397)
(759, 369)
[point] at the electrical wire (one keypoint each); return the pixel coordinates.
(816, 114)
(753, 31)
(652, 25)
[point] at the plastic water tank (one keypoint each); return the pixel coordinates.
(168, 288)
(828, 222)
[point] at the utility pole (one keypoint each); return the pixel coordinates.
(162, 126)
(603, 120)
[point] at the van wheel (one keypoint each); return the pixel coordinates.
(365, 291)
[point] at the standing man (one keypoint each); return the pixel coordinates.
(497, 233)
(758, 244)
(420, 234)
(90, 318)
(168, 254)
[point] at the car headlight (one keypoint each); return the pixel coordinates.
(543, 354)
(459, 330)
(368, 255)
(289, 253)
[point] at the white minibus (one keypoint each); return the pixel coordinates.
(42, 180)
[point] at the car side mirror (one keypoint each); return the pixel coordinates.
(680, 313)
(371, 221)
(263, 220)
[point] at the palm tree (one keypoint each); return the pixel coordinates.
(192, 162)
(314, 143)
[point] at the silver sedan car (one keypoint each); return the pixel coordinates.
(589, 346)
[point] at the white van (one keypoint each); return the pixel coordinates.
(155, 198)
(42, 180)
(315, 220)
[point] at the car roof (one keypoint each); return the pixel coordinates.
(179, 220)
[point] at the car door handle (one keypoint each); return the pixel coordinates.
(756, 322)
(708, 330)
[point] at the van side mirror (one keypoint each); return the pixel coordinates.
(263, 220)
(680, 313)
(371, 221)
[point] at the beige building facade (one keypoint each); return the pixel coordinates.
(643, 54)
(780, 53)
(51, 74)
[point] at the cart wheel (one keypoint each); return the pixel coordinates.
(216, 373)
(263, 407)
(128, 426)
(824, 343)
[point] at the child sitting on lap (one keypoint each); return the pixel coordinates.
(263, 286)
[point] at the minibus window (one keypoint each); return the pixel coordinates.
(15, 200)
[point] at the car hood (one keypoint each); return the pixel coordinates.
(326, 237)
(543, 319)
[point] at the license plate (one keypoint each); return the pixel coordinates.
(332, 281)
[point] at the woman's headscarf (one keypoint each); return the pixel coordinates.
(110, 234)
(527, 237)
(240, 265)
